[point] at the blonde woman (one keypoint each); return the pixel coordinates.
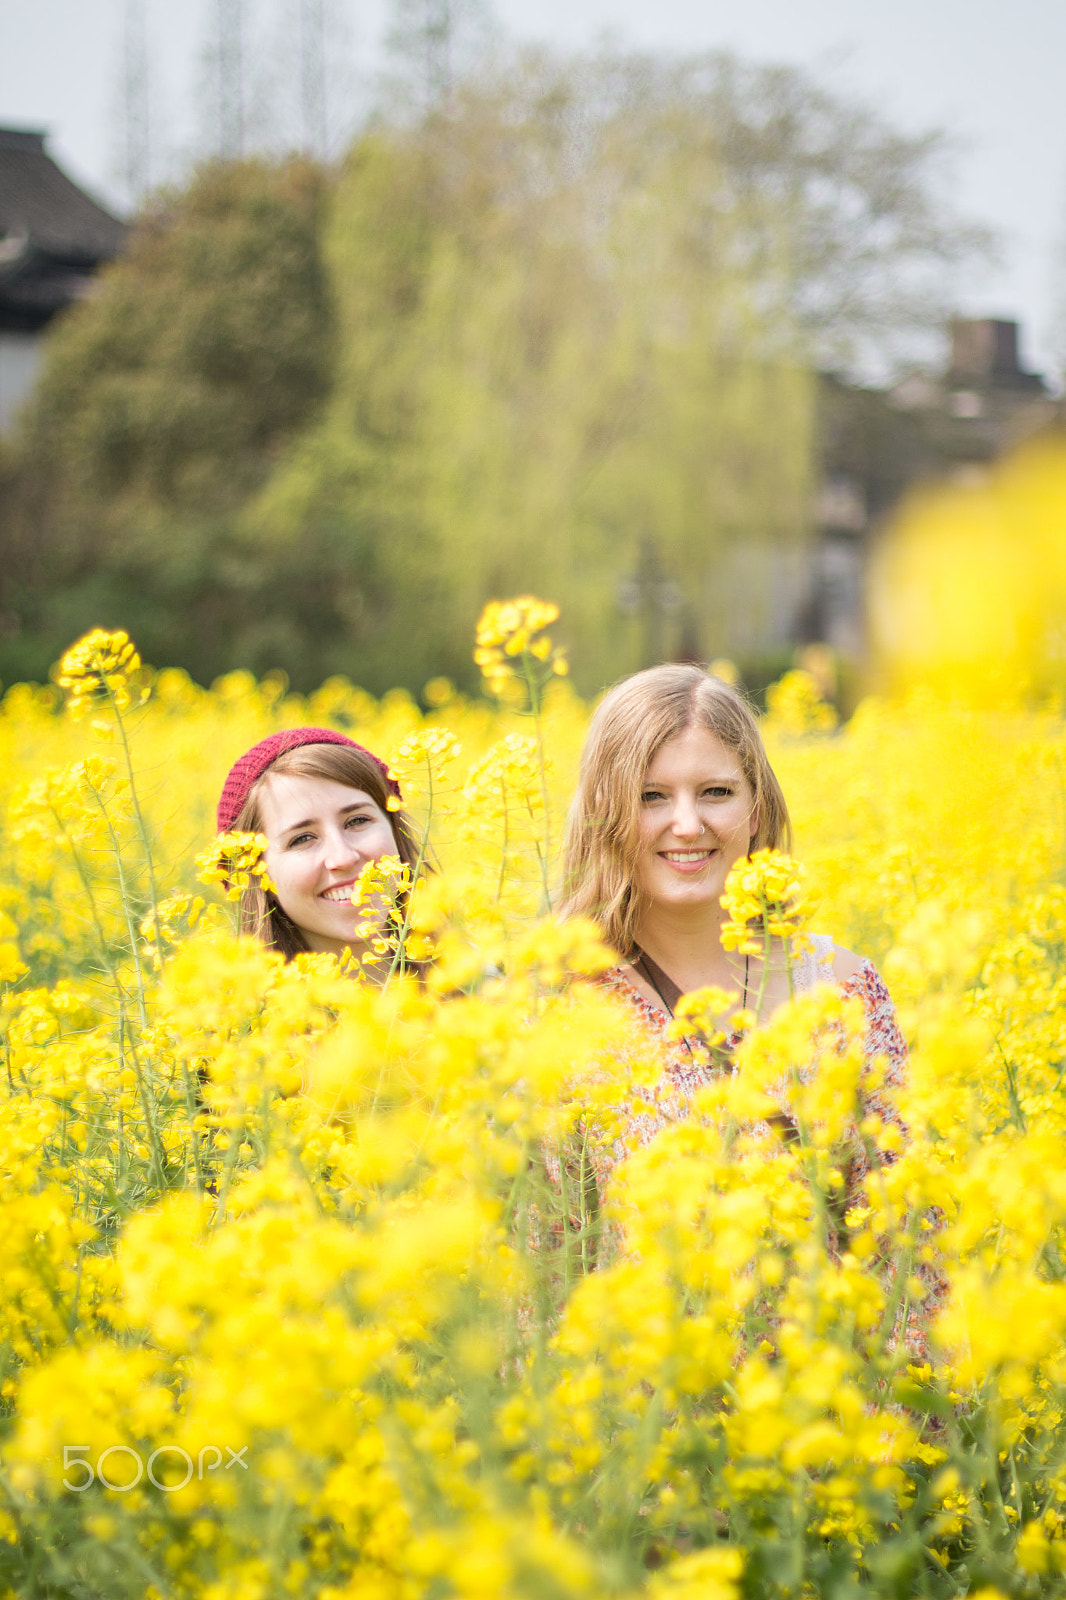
(675, 786)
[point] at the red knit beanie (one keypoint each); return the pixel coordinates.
(255, 761)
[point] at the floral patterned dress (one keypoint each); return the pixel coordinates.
(684, 1072)
(667, 1100)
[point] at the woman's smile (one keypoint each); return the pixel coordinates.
(341, 892)
(687, 860)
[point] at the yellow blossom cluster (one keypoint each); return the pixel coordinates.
(232, 860)
(354, 1291)
(100, 665)
(795, 704)
(701, 1013)
(765, 899)
(510, 634)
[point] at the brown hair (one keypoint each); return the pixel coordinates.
(602, 840)
(261, 914)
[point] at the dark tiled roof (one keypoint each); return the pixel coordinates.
(37, 199)
(52, 235)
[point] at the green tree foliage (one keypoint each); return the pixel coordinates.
(162, 408)
(556, 335)
(556, 375)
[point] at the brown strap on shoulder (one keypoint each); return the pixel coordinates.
(668, 991)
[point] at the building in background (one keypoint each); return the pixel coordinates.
(983, 404)
(875, 445)
(53, 239)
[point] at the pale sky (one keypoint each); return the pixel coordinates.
(990, 71)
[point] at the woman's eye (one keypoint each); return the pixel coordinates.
(358, 821)
(719, 791)
(649, 795)
(297, 839)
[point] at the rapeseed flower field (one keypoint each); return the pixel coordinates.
(302, 1291)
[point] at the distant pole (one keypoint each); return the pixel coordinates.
(313, 76)
(422, 37)
(439, 28)
(230, 79)
(654, 600)
(136, 101)
(439, 40)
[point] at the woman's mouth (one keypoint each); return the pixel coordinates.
(687, 860)
(339, 893)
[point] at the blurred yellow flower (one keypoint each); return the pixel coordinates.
(101, 663)
(232, 860)
(508, 629)
(765, 898)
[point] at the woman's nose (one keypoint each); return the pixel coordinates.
(686, 822)
(341, 848)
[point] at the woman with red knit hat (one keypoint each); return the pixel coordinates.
(323, 804)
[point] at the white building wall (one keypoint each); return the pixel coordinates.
(20, 361)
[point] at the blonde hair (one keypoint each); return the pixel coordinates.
(601, 844)
(261, 913)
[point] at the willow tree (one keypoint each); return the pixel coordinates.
(561, 369)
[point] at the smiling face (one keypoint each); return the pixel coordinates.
(320, 835)
(697, 816)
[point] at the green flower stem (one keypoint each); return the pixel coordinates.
(505, 849)
(154, 1140)
(141, 826)
(116, 850)
(766, 941)
(399, 960)
(192, 1111)
(86, 883)
(544, 847)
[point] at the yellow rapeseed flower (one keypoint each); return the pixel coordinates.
(765, 898)
(99, 664)
(232, 860)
